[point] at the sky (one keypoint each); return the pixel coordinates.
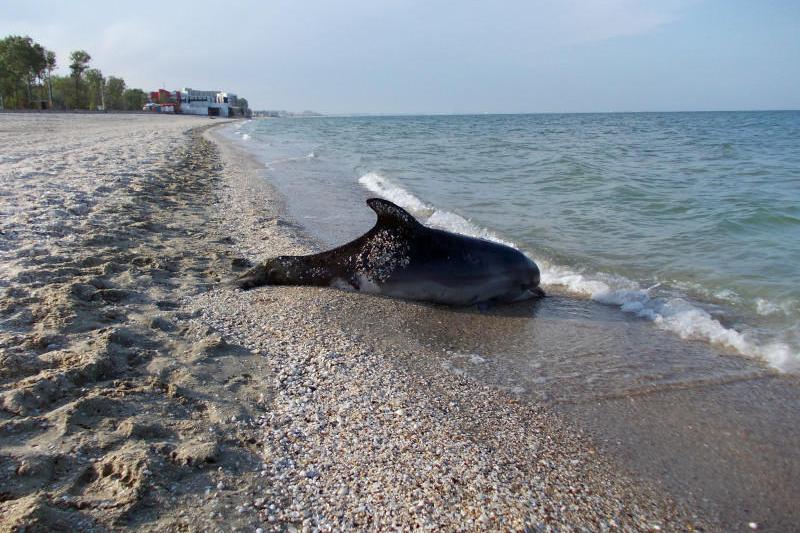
(434, 56)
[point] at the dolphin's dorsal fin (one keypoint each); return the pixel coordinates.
(390, 214)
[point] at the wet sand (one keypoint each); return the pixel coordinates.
(717, 433)
(729, 449)
(138, 392)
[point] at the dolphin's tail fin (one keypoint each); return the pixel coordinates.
(287, 270)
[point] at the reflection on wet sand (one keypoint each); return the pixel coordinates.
(714, 429)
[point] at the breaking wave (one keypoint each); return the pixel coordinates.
(431, 215)
(675, 314)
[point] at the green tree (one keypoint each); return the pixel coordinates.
(134, 99)
(37, 64)
(97, 86)
(63, 91)
(50, 66)
(22, 63)
(79, 63)
(115, 93)
(6, 79)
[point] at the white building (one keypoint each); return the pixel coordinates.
(213, 103)
(227, 98)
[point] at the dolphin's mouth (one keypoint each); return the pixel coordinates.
(529, 293)
(537, 292)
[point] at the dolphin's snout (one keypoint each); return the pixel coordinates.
(530, 287)
(535, 277)
(533, 274)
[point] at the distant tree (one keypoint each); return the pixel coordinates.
(79, 63)
(22, 63)
(6, 81)
(97, 85)
(134, 99)
(37, 65)
(243, 104)
(115, 93)
(50, 66)
(63, 91)
(27, 75)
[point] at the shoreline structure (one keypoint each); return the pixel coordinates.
(139, 393)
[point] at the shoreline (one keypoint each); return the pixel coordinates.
(719, 442)
(137, 393)
(457, 399)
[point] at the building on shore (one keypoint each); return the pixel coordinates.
(162, 101)
(211, 103)
(196, 102)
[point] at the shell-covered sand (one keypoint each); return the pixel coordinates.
(139, 392)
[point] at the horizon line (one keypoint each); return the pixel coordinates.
(495, 113)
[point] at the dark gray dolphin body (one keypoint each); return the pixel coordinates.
(400, 257)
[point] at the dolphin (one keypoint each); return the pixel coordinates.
(401, 258)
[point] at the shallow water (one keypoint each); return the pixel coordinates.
(688, 220)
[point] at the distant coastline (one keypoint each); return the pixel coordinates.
(283, 114)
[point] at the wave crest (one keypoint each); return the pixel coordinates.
(429, 214)
(673, 314)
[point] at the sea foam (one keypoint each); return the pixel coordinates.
(431, 215)
(677, 315)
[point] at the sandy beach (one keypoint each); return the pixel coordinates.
(139, 392)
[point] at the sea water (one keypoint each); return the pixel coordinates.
(688, 221)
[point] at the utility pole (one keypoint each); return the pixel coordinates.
(50, 63)
(49, 89)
